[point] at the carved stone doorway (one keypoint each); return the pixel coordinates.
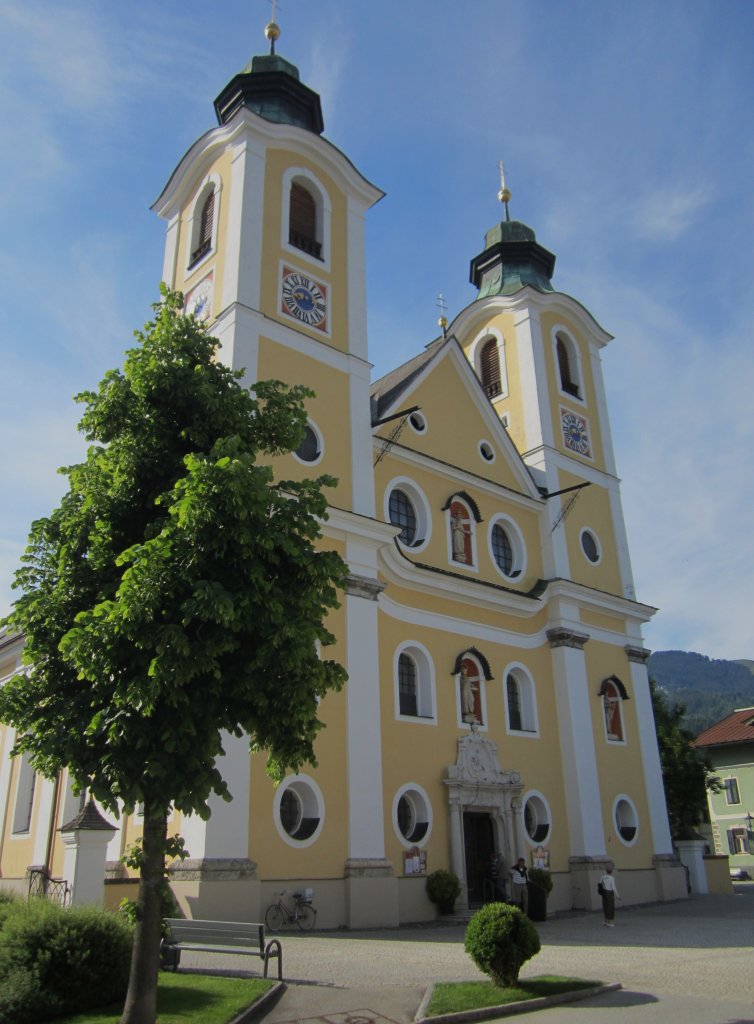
(485, 815)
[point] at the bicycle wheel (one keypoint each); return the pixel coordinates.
(274, 917)
(306, 917)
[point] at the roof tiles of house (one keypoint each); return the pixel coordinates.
(736, 728)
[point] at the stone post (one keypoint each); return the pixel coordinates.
(86, 837)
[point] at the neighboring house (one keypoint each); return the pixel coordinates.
(729, 745)
(498, 700)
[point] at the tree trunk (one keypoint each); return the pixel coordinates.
(141, 999)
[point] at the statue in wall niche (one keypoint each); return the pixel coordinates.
(468, 695)
(458, 533)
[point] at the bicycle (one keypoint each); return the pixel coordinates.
(301, 913)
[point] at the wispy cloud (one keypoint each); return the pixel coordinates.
(666, 213)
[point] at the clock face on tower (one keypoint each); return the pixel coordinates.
(199, 299)
(575, 432)
(304, 299)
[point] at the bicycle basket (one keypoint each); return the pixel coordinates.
(305, 896)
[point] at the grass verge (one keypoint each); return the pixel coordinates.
(452, 997)
(189, 999)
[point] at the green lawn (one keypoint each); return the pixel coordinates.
(450, 997)
(190, 999)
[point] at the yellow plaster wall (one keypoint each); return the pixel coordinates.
(329, 409)
(278, 161)
(619, 765)
(591, 510)
(275, 858)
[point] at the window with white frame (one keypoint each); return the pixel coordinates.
(626, 820)
(739, 840)
(27, 780)
(203, 221)
(311, 448)
(487, 353)
(731, 791)
(520, 701)
(507, 547)
(407, 508)
(412, 815)
(298, 810)
(537, 819)
(414, 683)
(306, 215)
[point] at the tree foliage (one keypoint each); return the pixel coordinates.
(178, 591)
(686, 774)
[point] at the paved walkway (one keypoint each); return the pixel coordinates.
(690, 962)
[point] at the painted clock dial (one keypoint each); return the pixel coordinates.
(199, 299)
(575, 432)
(304, 299)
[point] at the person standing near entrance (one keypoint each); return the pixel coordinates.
(520, 881)
(609, 893)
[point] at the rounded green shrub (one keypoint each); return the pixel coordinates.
(443, 888)
(500, 939)
(542, 879)
(55, 962)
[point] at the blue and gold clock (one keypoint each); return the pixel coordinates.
(575, 432)
(304, 299)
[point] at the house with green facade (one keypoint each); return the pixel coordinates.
(729, 745)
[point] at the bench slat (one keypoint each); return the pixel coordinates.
(230, 937)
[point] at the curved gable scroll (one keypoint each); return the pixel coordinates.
(604, 687)
(474, 653)
(464, 496)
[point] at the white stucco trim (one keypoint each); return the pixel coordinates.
(650, 756)
(225, 834)
(243, 248)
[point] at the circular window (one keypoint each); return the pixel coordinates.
(310, 449)
(536, 818)
(486, 451)
(412, 818)
(626, 822)
(406, 507)
(507, 548)
(590, 546)
(299, 810)
(418, 422)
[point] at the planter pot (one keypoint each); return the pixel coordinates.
(446, 908)
(537, 903)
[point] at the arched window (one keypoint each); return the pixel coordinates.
(414, 681)
(569, 379)
(520, 701)
(403, 514)
(25, 787)
(206, 224)
(303, 230)
(407, 508)
(613, 693)
(489, 364)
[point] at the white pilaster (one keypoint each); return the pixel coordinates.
(533, 380)
(225, 834)
(171, 250)
(584, 811)
(650, 755)
(243, 248)
(43, 799)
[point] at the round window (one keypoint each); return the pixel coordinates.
(486, 451)
(536, 819)
(310, 449)
(403, 514)
(412, 818)
(590, 546)
(298, 810)
(625, 820)
(418, 422)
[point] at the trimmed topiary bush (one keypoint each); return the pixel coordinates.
(55, 962)
(443, 888)
(500, 939)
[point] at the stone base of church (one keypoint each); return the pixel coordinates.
(585, 874)
(371, 894)
(670, 877)
(217, 889)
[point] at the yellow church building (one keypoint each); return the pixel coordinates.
(497, 701)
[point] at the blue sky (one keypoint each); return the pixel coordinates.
(626, 130)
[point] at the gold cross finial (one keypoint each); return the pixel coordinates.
(272, 30)
(443, 307)
(504, 194)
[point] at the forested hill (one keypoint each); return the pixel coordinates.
(710, 689)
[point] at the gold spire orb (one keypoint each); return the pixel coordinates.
(272, 31)
(504, 195)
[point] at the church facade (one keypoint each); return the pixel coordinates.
(497, 701)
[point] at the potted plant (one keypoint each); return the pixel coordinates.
(539, 888)
(443, 888)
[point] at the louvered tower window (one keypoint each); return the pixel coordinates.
(567, 381)
(490, 367)
(302, 222)
(206, 222)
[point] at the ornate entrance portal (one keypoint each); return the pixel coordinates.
(485, 815)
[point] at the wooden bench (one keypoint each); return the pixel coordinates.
(220, 937)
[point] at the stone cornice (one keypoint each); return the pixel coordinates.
(639, 655)
(363, 586)
(561, 637)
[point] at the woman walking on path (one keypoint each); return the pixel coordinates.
(609, 892)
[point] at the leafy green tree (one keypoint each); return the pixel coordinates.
(177, 592)
(686, 775)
